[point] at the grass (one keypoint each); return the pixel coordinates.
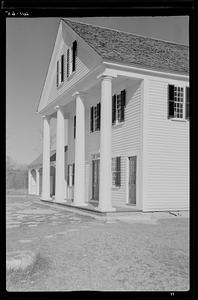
(94, 255)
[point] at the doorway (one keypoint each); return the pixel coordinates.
(52, 180)
(132, 163)
(95, 179)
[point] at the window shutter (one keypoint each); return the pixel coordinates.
(123, 102)
(91, 118)
(62, 68)
(74, 126)
(74, 54)
(73, 173)
(113, 109)
(98, 116)
(187, 103)
(170, 101)
(57, 73)
(67, 63)
(99, 107)
(118, 171)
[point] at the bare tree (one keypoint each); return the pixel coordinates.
(16, 174)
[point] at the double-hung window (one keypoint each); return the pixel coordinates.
(118, 111)
(60, 70)
(178, 102)
(95, 118)
(118, 107)
(116, 171)
(71, 58)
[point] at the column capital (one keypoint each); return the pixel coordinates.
(47, 117)
(58, 107)
(79, 93)
(106, 76)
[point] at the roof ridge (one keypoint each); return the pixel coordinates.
(134, 34)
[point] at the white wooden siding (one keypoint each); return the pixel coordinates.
(86, 60)
(71, 108)
(81, 71)
(168, 154)
(92, 139)
(126, 136)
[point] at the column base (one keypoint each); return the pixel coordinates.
(80, 204)
(106, 209)
(60, 201)
(45, 199)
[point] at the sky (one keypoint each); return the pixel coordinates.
(29, 46)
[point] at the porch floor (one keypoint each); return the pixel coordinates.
(92, 208)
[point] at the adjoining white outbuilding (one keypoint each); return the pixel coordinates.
(35, 174)
(122, 107)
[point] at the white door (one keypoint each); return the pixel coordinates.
(132, 160)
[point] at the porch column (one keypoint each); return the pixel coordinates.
(79, 179)
(60, 156)
(37, 182)
(105, 201)
(46, 159)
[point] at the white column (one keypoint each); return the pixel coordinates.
(60, 156)
(79, 180)
(37, 181)
(46, 159)
(105, 201)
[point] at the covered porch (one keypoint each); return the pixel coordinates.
(77, 194)
(35, 174)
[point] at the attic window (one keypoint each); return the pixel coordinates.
(60, 71)
(71, 58)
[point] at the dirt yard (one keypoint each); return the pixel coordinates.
(76, 252)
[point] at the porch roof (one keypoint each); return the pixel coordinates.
(38, 161)
(124, 47)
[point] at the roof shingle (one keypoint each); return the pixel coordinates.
(126, 47)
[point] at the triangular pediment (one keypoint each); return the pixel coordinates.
(86, 60)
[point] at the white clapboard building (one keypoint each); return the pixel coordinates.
(121, 103)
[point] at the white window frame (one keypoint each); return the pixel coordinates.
(115, 171)
(95, 118)
(118, 111)
(60, 70)
(70, 61)
(177, 90)
(183, 119)
(70, 175)
(138, 204)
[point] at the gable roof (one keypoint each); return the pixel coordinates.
(126, 47)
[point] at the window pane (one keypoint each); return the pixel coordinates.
(178, 102)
